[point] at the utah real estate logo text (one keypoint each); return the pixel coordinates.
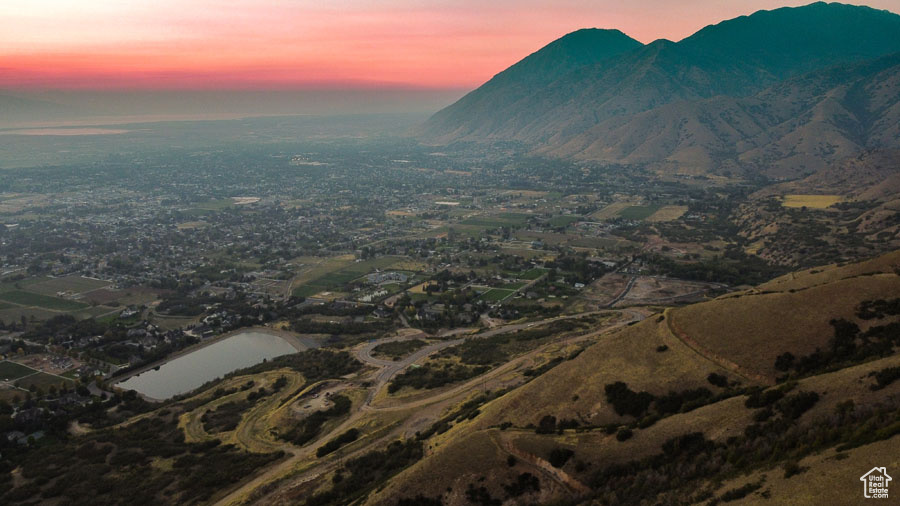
(875, 483)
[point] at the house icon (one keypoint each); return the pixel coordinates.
(875, 483)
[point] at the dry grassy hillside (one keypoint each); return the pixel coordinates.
(473, 454)
(752, 330)
(489, 455)
(575, 389)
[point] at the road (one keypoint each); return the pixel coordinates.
(387, 369)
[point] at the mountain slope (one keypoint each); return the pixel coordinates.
(520, 81)
(700, 79)
(794, 127)
(741, 430)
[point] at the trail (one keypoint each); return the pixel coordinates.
(719, 360)
(386, 370)
(575, 487)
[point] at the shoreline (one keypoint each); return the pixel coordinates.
(298, 342)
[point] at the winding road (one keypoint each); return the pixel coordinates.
(385, 371)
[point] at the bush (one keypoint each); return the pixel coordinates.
(792, 468)
(793, 406)
(333, 445)
(559, 456)
(718, 380)
(885, 377)
(624, 434)
(524, 483)
(627, 402)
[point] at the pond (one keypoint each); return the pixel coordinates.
(190, 371)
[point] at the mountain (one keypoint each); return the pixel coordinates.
(719, 72)
(794, 128)
(533, 73)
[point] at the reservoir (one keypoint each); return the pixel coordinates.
(190, 371)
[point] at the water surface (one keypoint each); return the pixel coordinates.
(190, 371)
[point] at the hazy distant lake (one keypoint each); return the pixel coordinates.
(189, 371)
(65, 131)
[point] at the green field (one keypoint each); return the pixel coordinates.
(306, 290)
(75, 284)
(500, 220)
(532, 274)
(24, 298)
(4, 305)
(344, 275)
(639, 212)
(514, 285)
(496, 294)
(44, 381)
(15, 314)
(563, 221)
(11, 370)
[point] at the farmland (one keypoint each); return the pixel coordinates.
(24, 298)
(639, 212)
(810, 201)
(10, 371)
(69, 284)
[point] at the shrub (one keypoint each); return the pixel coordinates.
(718, 380)
(559, 456)
(627, 402)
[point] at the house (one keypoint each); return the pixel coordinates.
(875, 483)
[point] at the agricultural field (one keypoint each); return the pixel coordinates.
(563, 221)
(810, 201)
(532, 274)
(43, 381)
(10, 371)
(70, 284)
(667, 213)
(24, 298)
(15, 314)
(609, 212)
(337, 272)
(639, 212)
(496, 221)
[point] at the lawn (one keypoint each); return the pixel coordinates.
(638, 212)
(24, 298)
(11, 370)
(496, 294)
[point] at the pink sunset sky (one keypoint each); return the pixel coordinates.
(295, 44)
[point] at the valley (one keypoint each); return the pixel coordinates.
(616, 273)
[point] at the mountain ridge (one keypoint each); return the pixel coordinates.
(729, 61)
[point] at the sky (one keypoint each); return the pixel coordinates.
(315, 44)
